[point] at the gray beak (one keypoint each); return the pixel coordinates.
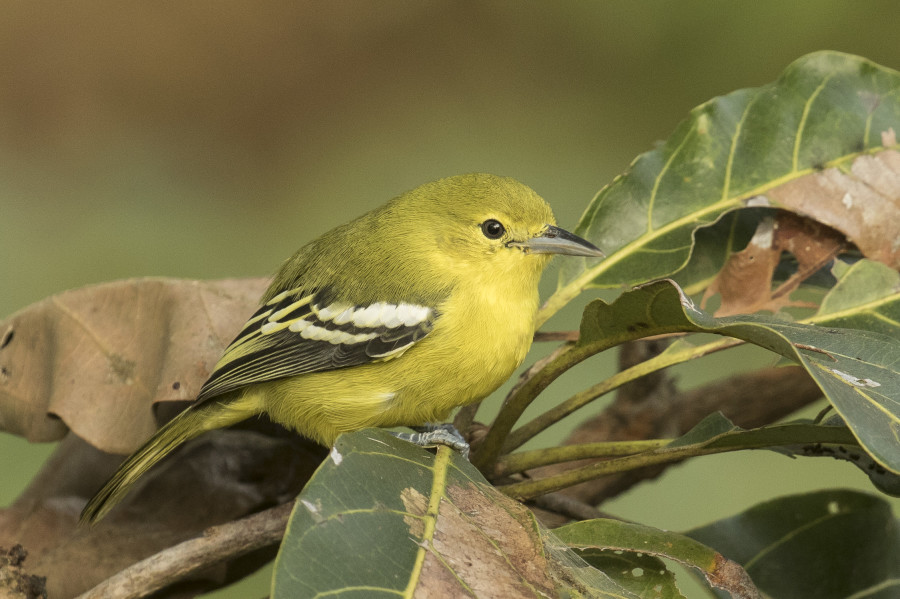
(554, 240)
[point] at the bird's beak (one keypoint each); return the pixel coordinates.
(553, 240)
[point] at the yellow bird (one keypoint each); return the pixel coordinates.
(393, 319)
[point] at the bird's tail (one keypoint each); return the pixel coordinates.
(194, 421)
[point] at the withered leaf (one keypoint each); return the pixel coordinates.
(862, 202)
(745, 281)
(95, 360)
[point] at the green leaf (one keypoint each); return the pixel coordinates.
(866, 296)
(609, 536)
(644, 575)
(826, 110)
(382, 517)
(857, 370)
(827, 545)
(713, 245)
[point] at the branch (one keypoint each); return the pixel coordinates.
(217, 544)
(567, 507)
(541, 336)
(530, 384)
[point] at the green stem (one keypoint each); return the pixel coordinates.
(527, 460)
(539, 378)
(529, 430)
(540, 423)
(760, 438)
(535, 380)
(558, 300)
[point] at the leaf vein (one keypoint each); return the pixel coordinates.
(729, 163)
(784, 539)
(438, 486)
(658, 179)
(798, 139)
(875, 589)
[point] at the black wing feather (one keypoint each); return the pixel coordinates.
(258, 355)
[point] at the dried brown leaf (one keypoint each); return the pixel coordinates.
(96, 359)
(863, 202)
(745, 282)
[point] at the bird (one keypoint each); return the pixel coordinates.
(422, 305)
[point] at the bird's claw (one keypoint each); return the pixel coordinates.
(432, 435)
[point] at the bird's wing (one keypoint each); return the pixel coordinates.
(298, 332)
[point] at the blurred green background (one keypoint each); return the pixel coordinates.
(208, 140)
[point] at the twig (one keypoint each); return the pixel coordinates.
(464, 419)
(538, 377)
(566, 506)
(520, 461)
(573, 336)
(555, 336)
(530, 384)
(217, 544)
(648, 369)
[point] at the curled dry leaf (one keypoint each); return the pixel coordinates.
(96, 359)
(745, 281)
(862, 202)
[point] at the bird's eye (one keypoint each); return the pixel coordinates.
(493, 229)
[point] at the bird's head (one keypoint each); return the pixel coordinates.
(477, 228)
(492, 225)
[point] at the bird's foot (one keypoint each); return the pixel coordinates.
(432, 435)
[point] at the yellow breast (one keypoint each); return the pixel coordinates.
(482, 334)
